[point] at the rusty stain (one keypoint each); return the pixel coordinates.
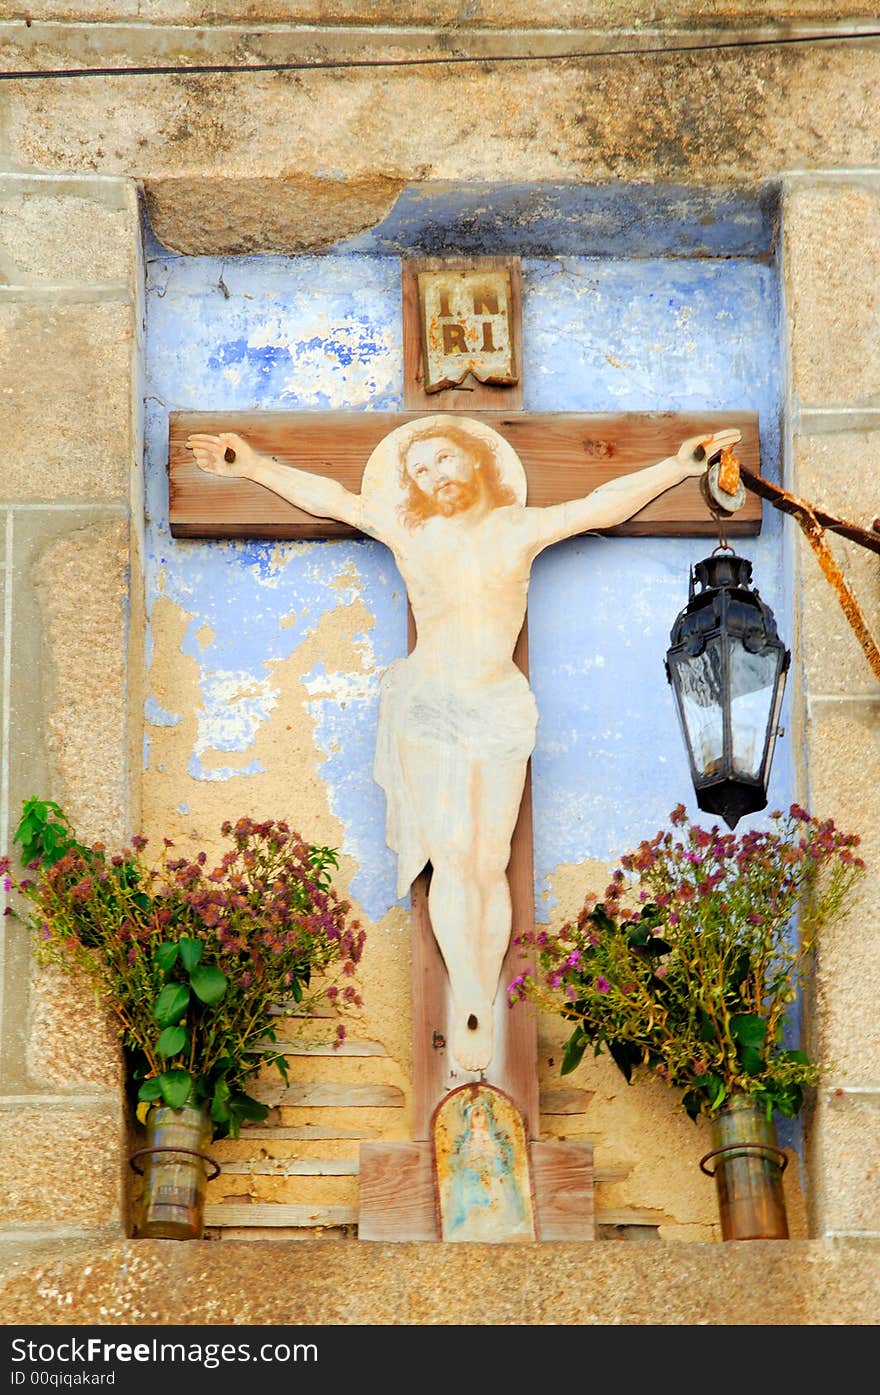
(815, 536)
(728, 471)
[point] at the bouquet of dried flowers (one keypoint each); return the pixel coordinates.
(691, 964)
(195, 956)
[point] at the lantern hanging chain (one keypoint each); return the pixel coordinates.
(723, 544)
(813, 523)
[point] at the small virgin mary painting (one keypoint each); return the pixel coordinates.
(481, 1167)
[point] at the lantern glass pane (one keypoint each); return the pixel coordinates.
(752, 693)
(699, 680)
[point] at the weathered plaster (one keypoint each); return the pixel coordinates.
(335, 140)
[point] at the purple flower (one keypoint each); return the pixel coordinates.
(602, 985)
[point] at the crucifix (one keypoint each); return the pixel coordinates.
(465, 499)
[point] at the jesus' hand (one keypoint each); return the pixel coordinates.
(695, 453)
(212, 454)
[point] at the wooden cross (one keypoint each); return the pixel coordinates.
(565, 455)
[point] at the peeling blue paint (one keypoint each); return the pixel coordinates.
(157, 715)
(222, 772)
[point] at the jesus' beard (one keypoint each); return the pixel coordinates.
(455, 496)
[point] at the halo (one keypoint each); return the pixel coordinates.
(381, 477)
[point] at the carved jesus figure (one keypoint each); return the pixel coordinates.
(457, 718)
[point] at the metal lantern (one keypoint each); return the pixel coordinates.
(727, 667)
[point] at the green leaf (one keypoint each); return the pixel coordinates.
(706, 1026)
(220, 1111)
(601, 919)
(748, 1029)
(692, 1101)
(208, 983)
(177, 1086)
(171, 1004)
(44, 832)
(638, 935)
(656, 946)
(171, 1041)
(249, 1108)
(718, 1091)
(752, 1061)
(296, 991)
(625, 1056)
(740, 968)
(651, 914)
(150, 1090)
(165, 955)
(572, 1052)
(789, 1100)
(190, 953)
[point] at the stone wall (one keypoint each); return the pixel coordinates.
(70, 307)
(296, 160)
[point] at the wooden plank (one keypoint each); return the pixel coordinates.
(291, 1167)
(396, 1193)
(274, 1214)
(319, 1133)
(611, 1173)
(564, 454)
(563, 1180)
(348, 1047)
(473, 396)
(254, 1233)
(566, 1101)
(518, 1031)
(631, 1215)
(429, 1000)
(330, 1096)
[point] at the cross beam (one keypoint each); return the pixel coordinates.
(565, 455)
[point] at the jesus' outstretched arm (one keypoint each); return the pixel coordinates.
(316, 494)
(617, 501)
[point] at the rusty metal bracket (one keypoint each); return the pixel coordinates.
(813, 523)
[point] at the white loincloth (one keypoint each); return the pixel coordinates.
(491, 721)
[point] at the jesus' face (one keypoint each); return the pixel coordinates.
(445, 473)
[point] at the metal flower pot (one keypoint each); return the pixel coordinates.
(747, 1166)
(176, 1169)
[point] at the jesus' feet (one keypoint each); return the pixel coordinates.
(472, 1036)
